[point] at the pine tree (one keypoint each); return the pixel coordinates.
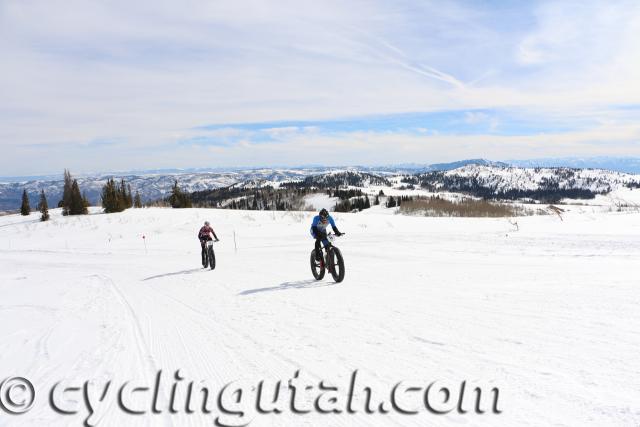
(66, 193)
(124, 196)
(43, 207)
(179, 199)
(72, 203)
(77, 206)
(176, 196)
(25, 209)
(112, 197)
(391, 202)
(137, 202)
(376, 202)
(121, 196)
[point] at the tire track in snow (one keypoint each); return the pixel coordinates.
(143, 352)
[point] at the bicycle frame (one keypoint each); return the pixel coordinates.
(331, 238)
(327, 261)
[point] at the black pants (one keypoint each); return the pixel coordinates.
(321, 239)
(203, 244)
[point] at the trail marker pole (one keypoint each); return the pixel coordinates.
(235, 245)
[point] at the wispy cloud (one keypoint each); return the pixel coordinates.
(154, 77)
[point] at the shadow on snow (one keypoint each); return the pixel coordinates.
(299, 284)
(176, 273)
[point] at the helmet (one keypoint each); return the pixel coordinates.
(207, 223)
(324, 214)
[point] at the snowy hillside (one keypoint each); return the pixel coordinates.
(484, 180)
(620, 164)
(151, 187)
(547, 313)
(502, 179)
(545, 184)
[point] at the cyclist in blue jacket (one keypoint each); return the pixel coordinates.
(319, 230)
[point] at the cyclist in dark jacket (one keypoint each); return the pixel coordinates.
(204, 235)
(319, 230)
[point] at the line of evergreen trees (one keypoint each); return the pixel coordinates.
(549, 190)
(392, 202)
(344, 194)
(633, 184)
(43, 206)
(72, 203)
(348, 205)
(263, 198)
(116, 197)
(342, 179)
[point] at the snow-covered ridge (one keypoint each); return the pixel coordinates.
(501, 179)
(150, 187)
(491, 178)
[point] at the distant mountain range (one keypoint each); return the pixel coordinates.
(476, 176)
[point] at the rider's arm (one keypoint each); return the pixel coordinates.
(314, 225)
(333, 224)
(214, 234)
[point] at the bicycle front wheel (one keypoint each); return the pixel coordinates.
(336, 266)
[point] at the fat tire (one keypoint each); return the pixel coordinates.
(336, 263)
(212, 258)
(317, 270)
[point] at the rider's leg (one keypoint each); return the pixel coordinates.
(203, 253)
(318, 249)
(325, 242)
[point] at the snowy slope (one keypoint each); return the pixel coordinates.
(621, 164)
(150, 186)
(548, 313)
(486, 175)
(502, 179)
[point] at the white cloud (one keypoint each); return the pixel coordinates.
(149, 72)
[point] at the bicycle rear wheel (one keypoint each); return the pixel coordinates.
(317, 267)
(212, 258)
(336, 264)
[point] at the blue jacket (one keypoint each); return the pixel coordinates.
(318, 226)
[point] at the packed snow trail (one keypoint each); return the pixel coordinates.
(547, 313)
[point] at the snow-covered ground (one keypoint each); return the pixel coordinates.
(319, 201)
(548, 313)
(620, 198)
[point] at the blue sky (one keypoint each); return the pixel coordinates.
(116, 85)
